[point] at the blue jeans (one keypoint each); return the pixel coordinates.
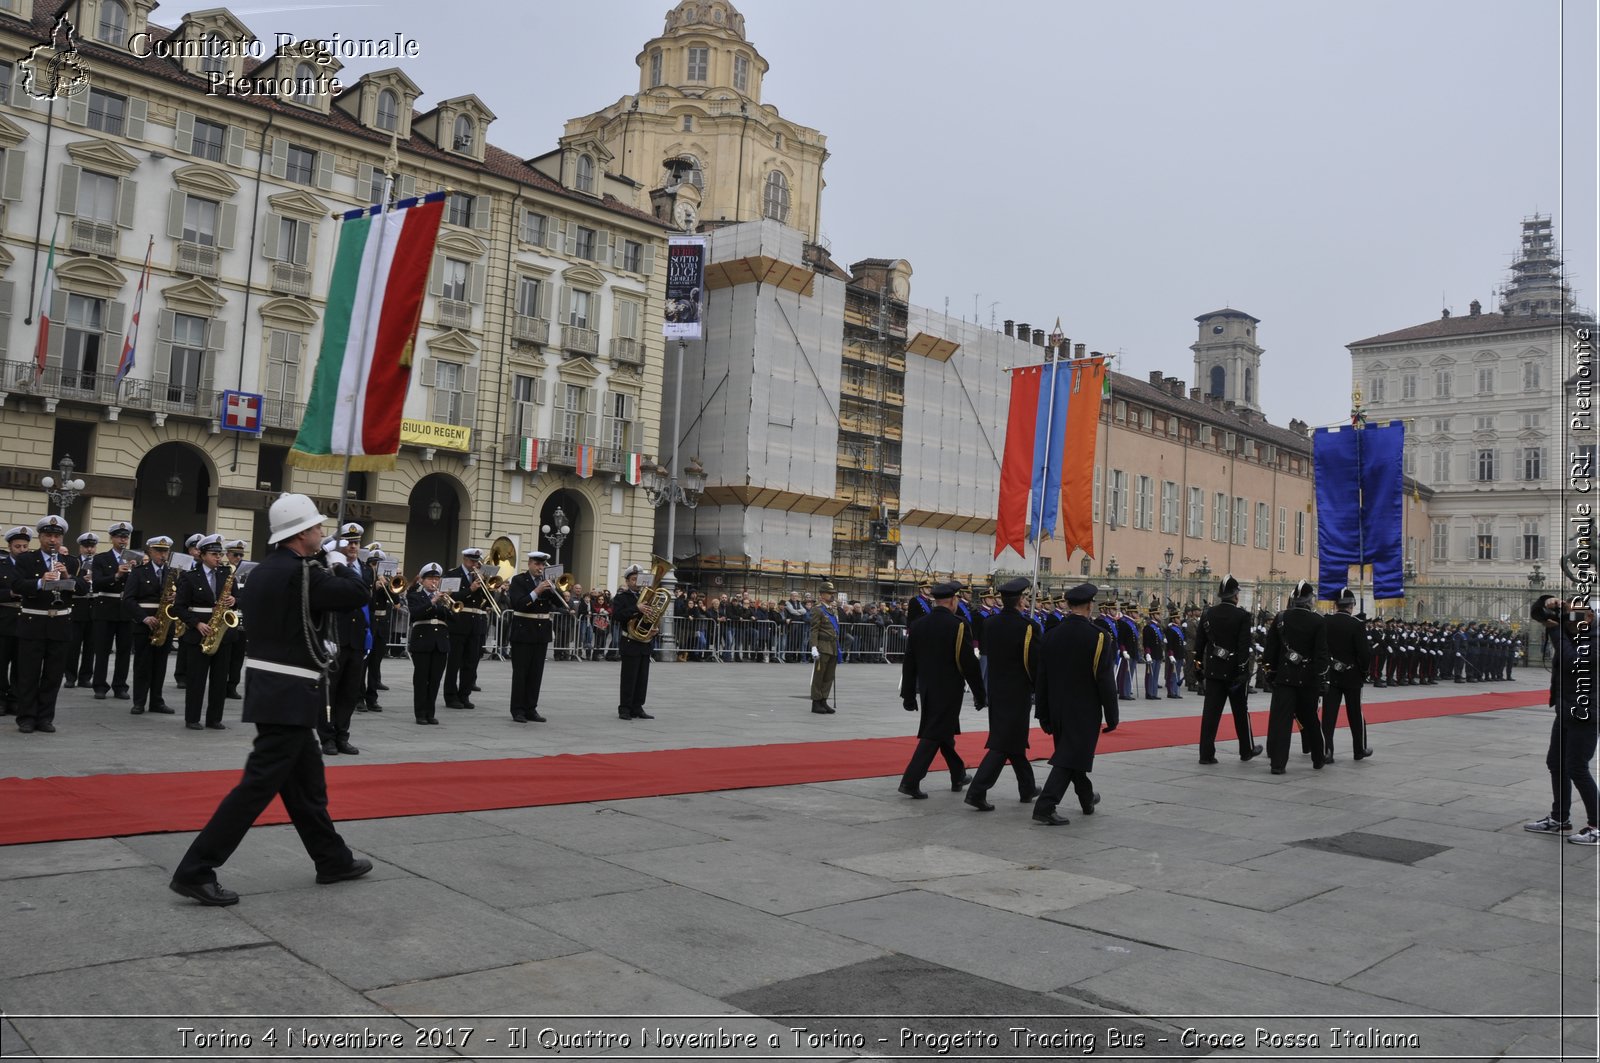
(1571, 749)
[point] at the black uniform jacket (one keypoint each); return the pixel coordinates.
(1076, 687)
(1012, 642)
(383, 601)
(83, 600)
(1155, 647)
(351, 624)
(1347, 646)
(427, 637)
(531, 615)
(141, 596)
(195, 603)
(274, 599)
(624, 607)
(1304, 632)
(1222, 643)
(107, 581)
(10, 604)
(467, 622)
(939, 659)
(26, 573)
(917, 608)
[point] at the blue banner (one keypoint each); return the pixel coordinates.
(1048, 439)
(1360, 506)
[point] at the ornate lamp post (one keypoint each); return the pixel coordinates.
(662, 488)
(65, 490)
(1166, 578)
(557, 533)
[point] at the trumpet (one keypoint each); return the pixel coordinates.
(443, 598)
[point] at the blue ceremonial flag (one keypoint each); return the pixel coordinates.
(1054, 395)
(1360, 506)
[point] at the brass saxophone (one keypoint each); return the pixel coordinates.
(653, 602)
(167, 619)
(221, 620)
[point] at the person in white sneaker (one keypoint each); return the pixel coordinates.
(1573, 736)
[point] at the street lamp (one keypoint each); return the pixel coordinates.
(1111, 567)
(1166, 579)
(64, 491)
(174, 485)
(557, 533)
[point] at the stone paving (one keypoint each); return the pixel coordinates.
(1198, 905)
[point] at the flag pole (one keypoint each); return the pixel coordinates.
(1044, 471)
(1358, 420)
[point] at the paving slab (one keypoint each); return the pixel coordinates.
(512, 870)
(1550, 906)
(922, 863)
(65, 858)
(1365, 911)
(757, 878)
(269, 860)
(1459, 983)
(598, 830)
(1026, 890)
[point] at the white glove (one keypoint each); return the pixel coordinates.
(333, 556)
(815, 656)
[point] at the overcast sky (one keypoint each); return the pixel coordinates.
(1337, 169)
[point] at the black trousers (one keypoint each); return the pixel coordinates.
(8, 674)
(988, 772)
(380, 650)
(207, 681)
(527, 674)
(922, 760)
(427, 672)
(1330, 718)
(111, 636)
(149, 670)
(1291, 704)
(81, 653)
(348, 679)
(1055, 788)
(461, 671)
(236, 664)
(635, 684)
(41, 663)
(1236, 696)
(284, 761)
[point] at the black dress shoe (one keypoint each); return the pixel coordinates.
(957, 785)
(361, 706)
(1088, 809)
(1255, 751)
(45, 728)
(346, 748)
(1208, 760)
(380, 686)
(422, 723)
(373, 706)
(1363, 754)
(517, 717)
(476, 689)
(180, 682)
(976, 800)
(357, 868)
(912, 792)
(330, 748)
(101, 695)
(121, 695)
(70, 683)
(465, 704)
(1279, 771)
(193, 726)
(137, 710)
(163, 710)
(25, 726)
(534, 717)
(624, 714)
(640, 714)
(1050, 819)
(207, 893)
(433, 722)
(452, 703)
(216, 727)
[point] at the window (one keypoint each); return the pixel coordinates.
(1263, 526)
(1375, 389)
(633, 256)
(1441, 383)
(1197, 513)
(106, 111)
(578, 311)
(529, 296)
(1486, 380)
(449, 386)
(1097, 494)
(1531, 376)
(655, 68)
(214, 54)
(630, 318)
(775, 203)
(1144, 504)
(1441, 465)
(534, 227)
(210, 140)
(1441, 425)
(1408, 385)
(302, 165)
(284, 351)
(292, 238)
(97, 197)
(375, 190)
(619, 417)
(1441, 540)
(388, 112)
(455, 280)
(1299, 531)
(200, 221)
(1532, 541)
(1241, 522)
(1249, 384)
(1169, 507)
(585, 177)
(1483, 423)
(571, 414)
(688, 123)
(1283, 528)
(777, 141)
(1533, 420)
(188, 351)
(458, 209)
(305, 84)
(741, 73)
(1219, 518)
(1484, 539)
(524, 417)
(1119, 499)
(1408, 459)
(1533, 463)
(699, 64)
(585, 243)
(1219, 381)
(1486, 463)
(80, 348)
(112, 28)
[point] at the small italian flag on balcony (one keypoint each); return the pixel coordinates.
(584, 460)
(633, 470)
(528, 455)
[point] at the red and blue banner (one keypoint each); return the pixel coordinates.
(1360, 506)
(1047, 474)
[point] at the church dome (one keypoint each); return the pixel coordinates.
(704, 14)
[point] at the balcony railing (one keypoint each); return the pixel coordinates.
(94, 237)
(455, 314)
(511, 452)
(627, 351)
(564, 453)
(99, 386)
(281, 413)
(199, 260)
(289, 279)
(530, 329)
(580, 340)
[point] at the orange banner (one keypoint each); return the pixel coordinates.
(1077, 469)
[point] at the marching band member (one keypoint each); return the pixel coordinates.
(383, 606)
(46, 581)
(141, 600)
(235, 557)
(197, 598)
(111, 631)
(429, 641)
(635, 654)
(532, 598)
(349, 675)
(191, 546)
(17, 540)
(81, 648)
(469, 629)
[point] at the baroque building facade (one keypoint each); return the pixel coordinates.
(537, 373)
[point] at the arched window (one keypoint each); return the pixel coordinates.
(775, 203)
(1219, 380)
(305, 83)
(388, 116)
(585, 176)
(1249, 384)
(464, 131)
(113, 25)
(655, 68)
(213, 54)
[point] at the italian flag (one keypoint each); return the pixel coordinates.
(634, 472)
(528, 455)
(380, 274)
(42, 347)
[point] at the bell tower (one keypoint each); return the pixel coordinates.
(1227, 358)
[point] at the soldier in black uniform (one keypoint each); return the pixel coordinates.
(469, 630)
(1176, 655)
(533, 599)
(1154, 645)
(80, 650)
(111, 631)
(920, 604)
(347, 681)
(635, 654)
(1074, 692)
(141, 602)
(1348, 659)
(428, 642)
(1296, 664)
(17, 541)
(383, 609)
(1222, 644)
(287, 596)
(46, 581)
(1012, 642)
(197, 597)
(939, 659)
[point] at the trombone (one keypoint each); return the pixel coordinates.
(488, 585)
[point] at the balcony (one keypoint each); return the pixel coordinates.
(198, 260)
(453, 313)
(281, 413)
(289, 279)
(530, 330)
(578, 340)
(99, 387)
(511, 451)
(94, 237)
(627, 351)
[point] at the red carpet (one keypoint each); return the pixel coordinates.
(105, 806)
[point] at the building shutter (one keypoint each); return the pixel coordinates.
(165, 323)
(6, 290)
(227, 225)
(300, 254)
(436, 275)
(324, 170)
(279, 167)
(78, 108)
(13, 162)
(475, 282)
(591, 422)
(649, 258)
(215, 331)
(469, 395)
(58, 336)
(233, 151)
(67, 190)
(269, 239)
(480, 213)
(176, 201)
(127, 194)
(138, 110)
(183, 134)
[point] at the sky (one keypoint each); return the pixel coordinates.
(1336, 169)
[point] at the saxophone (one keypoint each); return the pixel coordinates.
(167, 620)
(653, 602)
(221, 620)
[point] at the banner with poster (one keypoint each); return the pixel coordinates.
(686, 284)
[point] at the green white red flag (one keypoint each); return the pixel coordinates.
(528, 454)
(633, 470)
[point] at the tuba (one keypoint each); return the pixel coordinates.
(653, 603)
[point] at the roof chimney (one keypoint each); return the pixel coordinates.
(1194, 394)
(1079, 350)
(1175, 386)
(1155, 377)
(1038, 337)
(1023, 332)
(1011, 327)
(1445, 316)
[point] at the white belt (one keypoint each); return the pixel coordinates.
(107, 594)
(281, 668)
(206, 609)
(47, 612)
(464, 609)
(532, 616)
(148, 605)
(380, 612)
(421, 623)
(11, 605)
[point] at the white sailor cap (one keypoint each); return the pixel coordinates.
(473, 552)
(632, 570)
(374, 554)
(538, 555)
(210, 542)
(352, 530)
(18, 532)
(193, 541)
(235, 544)
(432, 568)
(158, 542)
(88, 539)
(375, 548)
(121, 527)
(51, 523)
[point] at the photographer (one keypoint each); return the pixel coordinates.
(1570, 628)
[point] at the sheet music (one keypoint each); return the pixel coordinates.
(388, 568)
(242, 573)
(182, 562)
(553, 572)
(450, 584)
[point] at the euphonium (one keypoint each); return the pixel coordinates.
(221, 620)
(167, 619)
(653, 603)
(397, 584)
